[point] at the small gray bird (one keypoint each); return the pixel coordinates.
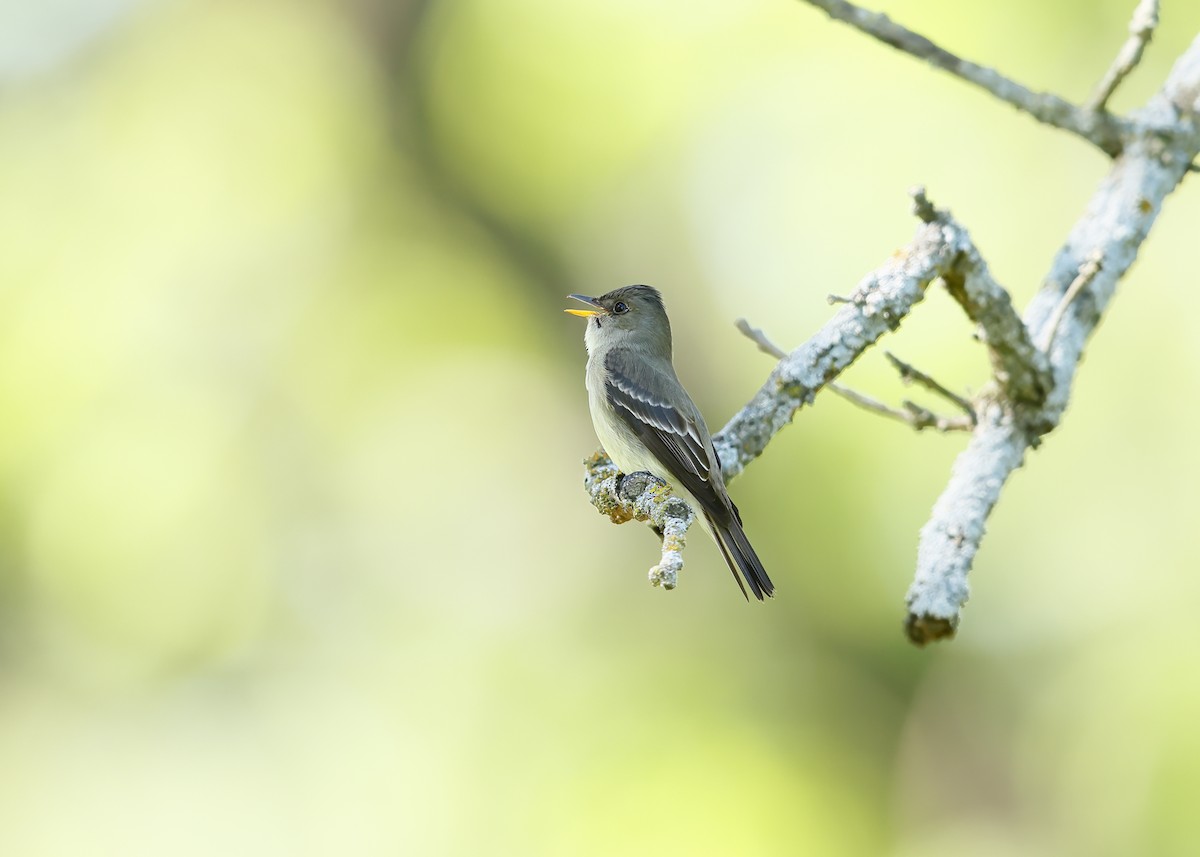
(646, 421)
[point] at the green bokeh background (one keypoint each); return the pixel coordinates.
(294, 558)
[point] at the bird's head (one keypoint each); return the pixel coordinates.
(631, 316)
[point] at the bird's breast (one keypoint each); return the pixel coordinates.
(619, 441)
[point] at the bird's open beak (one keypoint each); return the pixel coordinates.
(586, 313)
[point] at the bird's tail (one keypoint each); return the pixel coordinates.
(740, 556)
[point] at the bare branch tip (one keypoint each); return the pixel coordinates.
(922, 208)
(665, 578)
(925, 629)
(1141, 30)
(759, 338)
(911, 414)
(1145, 19)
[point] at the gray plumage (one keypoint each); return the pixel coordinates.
(646, 421)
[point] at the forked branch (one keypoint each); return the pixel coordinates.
(1034, 357)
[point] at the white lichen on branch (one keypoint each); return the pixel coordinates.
(642, 497)
(1034, 357)
(1064, 313)
(1021, 370)
(874, 308)
(951, 538)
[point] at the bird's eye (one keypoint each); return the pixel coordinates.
(620, 307)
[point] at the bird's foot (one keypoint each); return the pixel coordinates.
(631, 485)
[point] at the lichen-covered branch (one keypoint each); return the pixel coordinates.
(951, 538)
(875, 307)
(1064, 313)
(1034, 357)
(1103, 130)
(1021, 369)
(642, 497)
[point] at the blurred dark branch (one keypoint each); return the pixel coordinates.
(1103, 130)
(401, 35)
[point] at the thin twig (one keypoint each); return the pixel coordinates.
(1087, 272)
(1141, 29)
(913, 414)
(756, 335)
(1097, 127)
(910, 375)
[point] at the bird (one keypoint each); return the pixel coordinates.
(646, 421)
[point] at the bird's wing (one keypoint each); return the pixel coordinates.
(672, 435)
(676, 436)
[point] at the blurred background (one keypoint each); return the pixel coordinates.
(294, 554)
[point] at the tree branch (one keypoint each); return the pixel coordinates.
(913, 414)
(1034, 359)
(642, 497)
(1064, 313)
(759, 338)
(950, 540)
(1141, 29)
(1099, 128)
(911, 375)
(1021, 369)
(875, 307)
